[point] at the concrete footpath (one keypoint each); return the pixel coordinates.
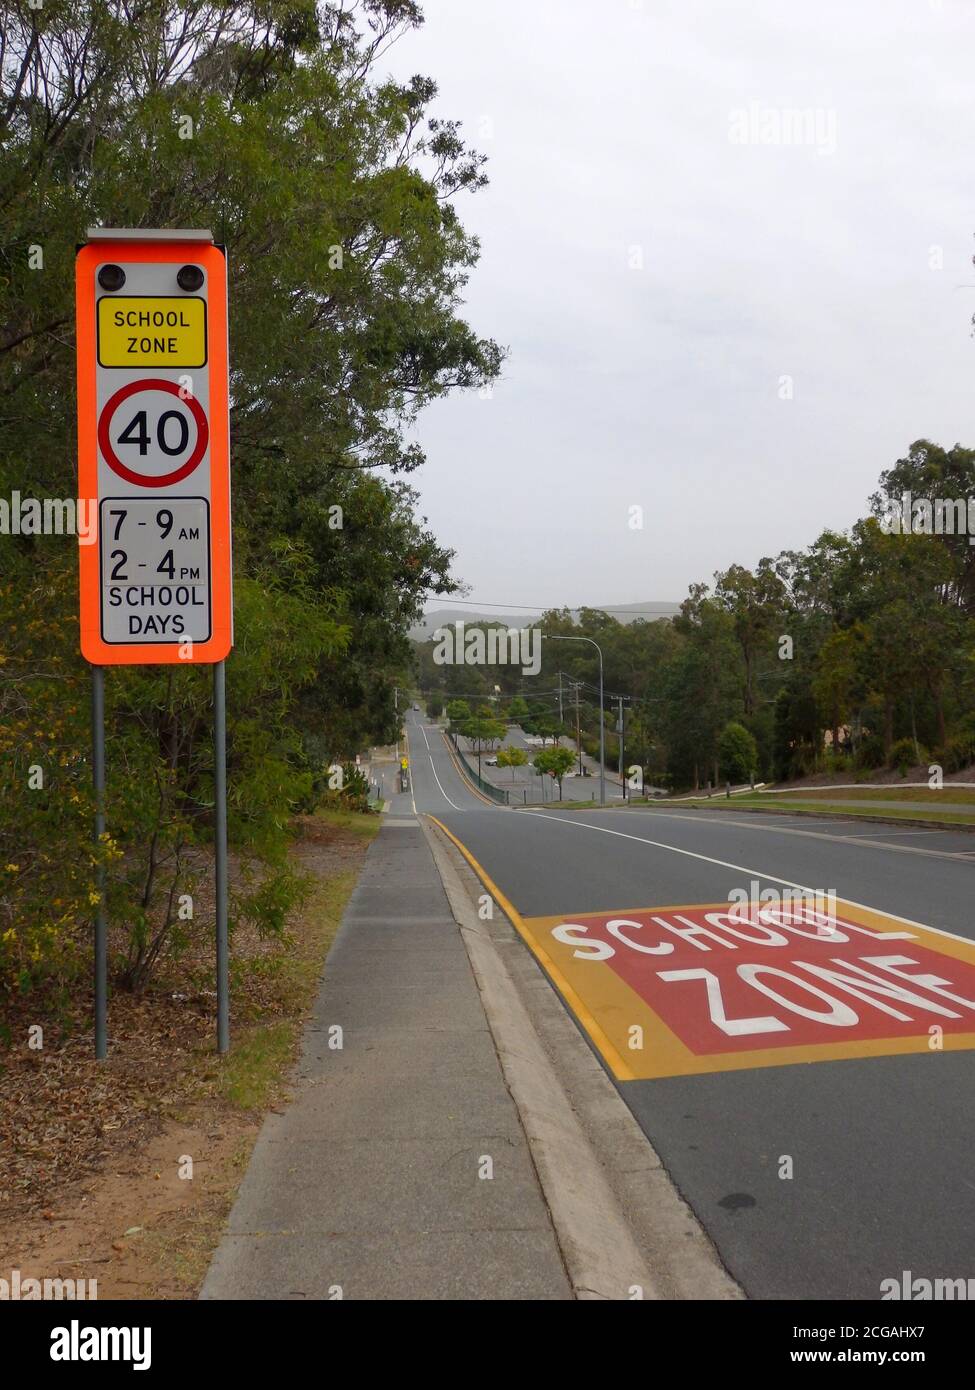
(400, 1170)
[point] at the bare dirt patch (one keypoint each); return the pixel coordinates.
(93, 1174)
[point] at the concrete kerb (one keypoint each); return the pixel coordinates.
(655, 1249)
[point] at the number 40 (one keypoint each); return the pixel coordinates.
(137, 432)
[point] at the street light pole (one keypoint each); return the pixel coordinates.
(620, 731)
(578, 733)
(551, 637)
(602, 732)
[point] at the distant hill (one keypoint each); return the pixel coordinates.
(623, 612)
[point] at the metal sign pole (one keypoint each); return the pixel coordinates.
(220, 845)
(153, 455)
(101, 916)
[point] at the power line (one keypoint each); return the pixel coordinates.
(665, 609)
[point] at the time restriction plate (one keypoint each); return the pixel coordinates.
(153, 448)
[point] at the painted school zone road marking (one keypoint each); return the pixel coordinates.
(679, 991)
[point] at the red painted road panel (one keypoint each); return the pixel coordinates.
(726, 981)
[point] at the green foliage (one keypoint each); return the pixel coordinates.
(905, 754)
(458, 712)
(482, 731)
(346, 789)
(518, 710)
(958, 753)
(512, 757)
(555, 761)
(870, 753)
(826, 656)
(737, 753)
(333, 189)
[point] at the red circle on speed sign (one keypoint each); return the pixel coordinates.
(144, 479)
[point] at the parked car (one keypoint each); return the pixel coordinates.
(490, 762)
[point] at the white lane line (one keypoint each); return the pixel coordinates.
(741, 869)
(440, 785)
(864, 841)
(425, 739)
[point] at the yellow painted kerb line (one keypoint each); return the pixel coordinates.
(462, 774)
(610, 1054)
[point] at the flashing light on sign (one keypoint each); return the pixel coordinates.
(111, 277)
(190, 277)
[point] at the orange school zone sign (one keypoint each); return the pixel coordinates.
(679, 991)
(153, 451)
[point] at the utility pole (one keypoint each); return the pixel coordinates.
(553, 637)
(560, 698)
(620, 732)
(578, 731)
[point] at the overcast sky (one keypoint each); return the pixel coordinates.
(657, 129)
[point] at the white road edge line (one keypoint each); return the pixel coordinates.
(858, 839)
(754, 873)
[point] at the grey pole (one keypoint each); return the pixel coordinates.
(101, 916)
(552, 637)
(220, 845)
(602, 732)
(578, 734)
(622, 778)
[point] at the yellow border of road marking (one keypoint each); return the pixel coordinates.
(666, 1054)
(609, 1052)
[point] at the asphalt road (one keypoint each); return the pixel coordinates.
(822, 1156)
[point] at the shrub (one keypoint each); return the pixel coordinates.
(957, 753)
(353, 794)
(904, 755)
(737, 753)
(870, 752)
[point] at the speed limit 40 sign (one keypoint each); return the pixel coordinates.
(153, 447)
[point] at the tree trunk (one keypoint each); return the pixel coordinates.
(888, 727)
(917, 746)
(939, 713)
